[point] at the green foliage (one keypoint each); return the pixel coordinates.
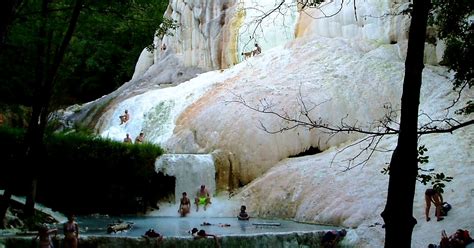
(469, 108)
(89, 173)
(453, 19)
(100, 57)
(11, 143)
(437, 180)
(421, 152)
(166, 28)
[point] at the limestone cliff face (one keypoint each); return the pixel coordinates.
(346, 68)
(365, 50)
(212, 34)
(206, 34)
(367, 24)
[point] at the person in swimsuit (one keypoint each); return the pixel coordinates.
(140, 138)
(185, 205)
(44, 236)
(127, 139)
(202, 198)
(433, 196)
(71, 232)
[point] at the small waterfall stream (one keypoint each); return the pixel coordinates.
(190, 171)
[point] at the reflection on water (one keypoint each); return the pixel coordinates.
(176, 226)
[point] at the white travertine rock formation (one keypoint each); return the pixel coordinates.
(331, 73)
(144, 62)
(367, 24)
(212, 34)
(204, 37)
(344, 68)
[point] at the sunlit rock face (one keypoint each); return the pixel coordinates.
(206, 35)
(367, 24)
(330, 67)
(346, 70)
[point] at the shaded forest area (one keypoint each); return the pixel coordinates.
(100, 57)
(85, 176)
(54, 54)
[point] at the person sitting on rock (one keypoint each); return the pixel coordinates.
(124, 118)
(257, 50)
(202, 198)
(127, 139)
(140, 138)
(459, 239)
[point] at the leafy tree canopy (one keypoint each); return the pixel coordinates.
(101, 55)
(455, 25)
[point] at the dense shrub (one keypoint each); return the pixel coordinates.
(85, 174)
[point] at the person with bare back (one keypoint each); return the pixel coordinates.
(202, 198)
(257, 50)
(124, 118)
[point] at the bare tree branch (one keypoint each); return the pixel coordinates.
(388, 125)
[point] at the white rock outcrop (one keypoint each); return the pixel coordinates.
(345, 68)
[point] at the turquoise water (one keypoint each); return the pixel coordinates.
(177, 226)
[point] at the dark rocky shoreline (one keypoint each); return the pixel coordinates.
(278, 240)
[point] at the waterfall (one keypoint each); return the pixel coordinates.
(190, 171)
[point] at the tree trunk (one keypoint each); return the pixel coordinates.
(398, 212)
(45, 82)
(8, 9)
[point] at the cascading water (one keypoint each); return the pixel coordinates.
(190, 171)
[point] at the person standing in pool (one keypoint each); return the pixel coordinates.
(202, 198)
(71, 232)
(185, 205)
(243, 215)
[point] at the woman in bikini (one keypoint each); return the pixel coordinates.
(71, 232)
(185, 205)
